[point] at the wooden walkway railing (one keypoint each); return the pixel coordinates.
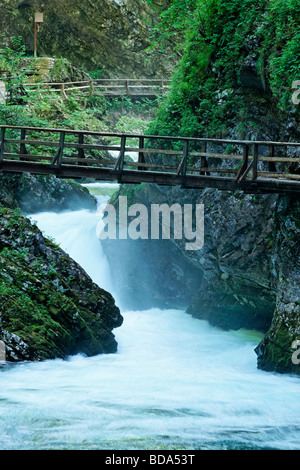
(189, 162)
(106, 87)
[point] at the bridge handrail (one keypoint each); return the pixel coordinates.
(151, 159)
(156, 137)
(149, 136)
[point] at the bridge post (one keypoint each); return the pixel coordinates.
(204, 163)
(2, 141)
(120, 162)
(23, 150)
(244, 164)
(63, 91)
(141, 154)
(255, 161)
(183, 164)
(92, 87)
(80, 150)
(59, 153)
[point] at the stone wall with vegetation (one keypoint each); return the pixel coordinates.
(239, 61)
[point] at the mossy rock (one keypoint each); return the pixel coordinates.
(49, 306)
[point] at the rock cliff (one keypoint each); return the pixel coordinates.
(247, 275)
(235, 81)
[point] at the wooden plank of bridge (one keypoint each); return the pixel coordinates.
(136, 177)
(241, 172)
(141, 157)
(254, 161)
(23, 150)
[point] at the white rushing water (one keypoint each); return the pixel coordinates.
(175, 382)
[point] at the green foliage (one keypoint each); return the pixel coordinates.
(174, 22)
(101, 36)
(130, 124)
(220, 37)
(96, 73)
(12, 73)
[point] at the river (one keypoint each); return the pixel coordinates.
(175, 383)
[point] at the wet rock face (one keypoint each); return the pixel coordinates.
(49, 306)
(43, 193)
(245, 276)
(276, 350)
(237, 289)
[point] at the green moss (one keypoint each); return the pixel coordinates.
(46, 299)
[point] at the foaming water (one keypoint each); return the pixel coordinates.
(76, 233)
(175, 382)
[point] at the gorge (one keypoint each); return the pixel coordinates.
(175, 382)
(139, 344)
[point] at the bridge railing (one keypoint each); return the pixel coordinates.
(166, 158)
(106, 87)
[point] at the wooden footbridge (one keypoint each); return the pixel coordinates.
(252, 166)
